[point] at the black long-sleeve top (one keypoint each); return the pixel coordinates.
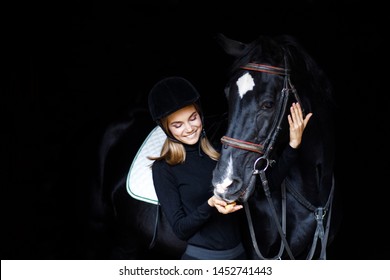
(183, 191)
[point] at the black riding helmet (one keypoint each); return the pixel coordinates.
(169, 95)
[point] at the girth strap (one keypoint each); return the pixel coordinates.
(155, 231)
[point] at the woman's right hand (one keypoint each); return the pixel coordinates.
(220, 204)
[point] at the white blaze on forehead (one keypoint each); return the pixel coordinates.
(245, 83)
(227, 181)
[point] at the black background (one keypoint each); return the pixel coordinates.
(72, 69)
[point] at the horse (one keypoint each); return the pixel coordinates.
(298, 218)
(288, 221)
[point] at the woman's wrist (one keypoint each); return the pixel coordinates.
(294, 144)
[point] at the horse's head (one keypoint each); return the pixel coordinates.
(259, 93)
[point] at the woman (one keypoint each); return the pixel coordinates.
(182, 173)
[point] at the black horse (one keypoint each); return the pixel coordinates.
(299, 218)
(291, 227)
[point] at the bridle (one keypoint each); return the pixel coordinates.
(265, 150)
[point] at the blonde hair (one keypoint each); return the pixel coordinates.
(174, 152)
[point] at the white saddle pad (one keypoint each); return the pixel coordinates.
(139, 183)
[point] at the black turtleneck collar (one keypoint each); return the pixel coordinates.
(193, 148)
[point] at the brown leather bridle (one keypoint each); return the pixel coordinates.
(266, 148)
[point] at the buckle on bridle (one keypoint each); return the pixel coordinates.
(255, 169)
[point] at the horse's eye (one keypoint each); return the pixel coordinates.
(267, 105)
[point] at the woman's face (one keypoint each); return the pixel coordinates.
(185, 125)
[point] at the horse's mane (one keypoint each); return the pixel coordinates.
(306, 73)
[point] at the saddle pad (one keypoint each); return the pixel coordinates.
(139, 183)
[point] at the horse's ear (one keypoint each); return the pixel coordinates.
(230, 46)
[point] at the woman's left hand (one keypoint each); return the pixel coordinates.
(297, 124)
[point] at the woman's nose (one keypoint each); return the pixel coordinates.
(188, 127)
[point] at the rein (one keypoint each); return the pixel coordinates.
(265, 151)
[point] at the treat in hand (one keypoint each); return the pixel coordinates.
(230, 205)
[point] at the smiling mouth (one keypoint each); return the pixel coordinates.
(192, 135)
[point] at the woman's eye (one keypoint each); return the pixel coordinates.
(194, 117)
